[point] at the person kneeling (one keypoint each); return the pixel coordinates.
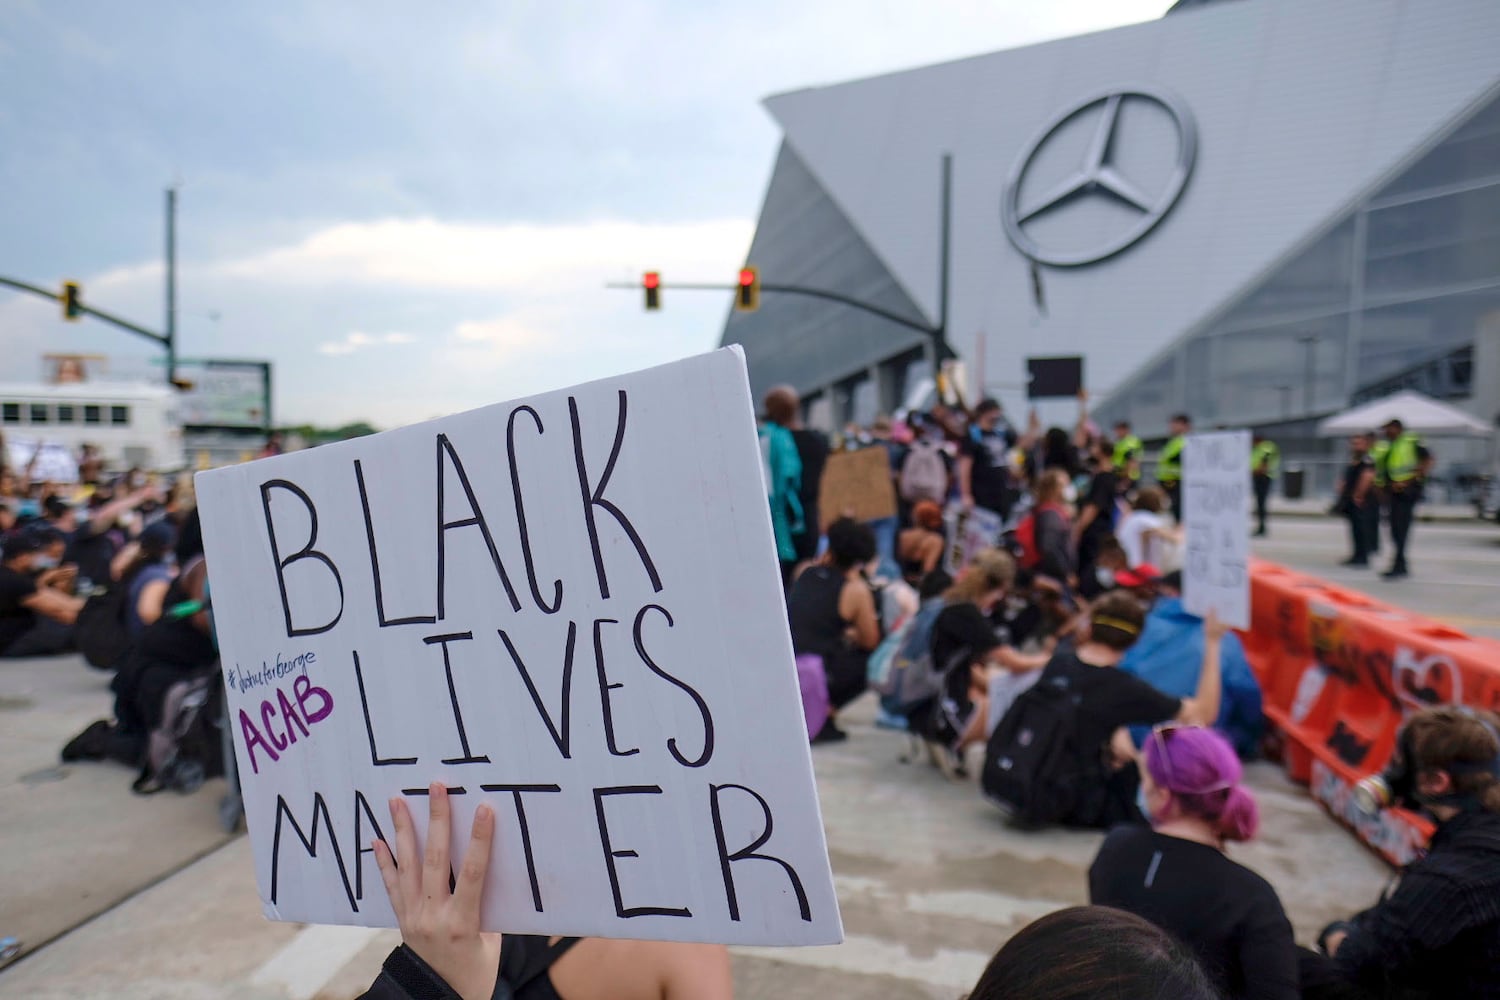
(1437, 932)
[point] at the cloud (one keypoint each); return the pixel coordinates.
(357, 341)
(426, 253)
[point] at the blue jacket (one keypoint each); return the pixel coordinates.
(1169, 655)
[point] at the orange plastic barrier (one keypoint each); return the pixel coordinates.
(1339, 671)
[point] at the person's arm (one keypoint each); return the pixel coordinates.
(1015, 661)
(1363, 485)
(148, 605)
(54, 604)
(966, 478)
(1202, 709)
(857, 607)
(931, 551)
(100, 520)
(1422, 915)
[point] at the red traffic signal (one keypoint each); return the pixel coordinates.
(651, 282)
(747, 294)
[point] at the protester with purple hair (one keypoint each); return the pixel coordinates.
(1176, 875)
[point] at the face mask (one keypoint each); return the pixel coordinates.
(1141, 804)
(44, 562)
(1105, 576)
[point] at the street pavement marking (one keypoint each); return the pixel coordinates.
(870, 956)
(308, 961)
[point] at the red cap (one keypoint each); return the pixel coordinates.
(1142, 576)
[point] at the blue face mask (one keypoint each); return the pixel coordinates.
(1140, 803)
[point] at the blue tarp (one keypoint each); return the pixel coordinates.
(1168, 656)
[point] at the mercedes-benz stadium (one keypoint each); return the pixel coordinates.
(1256, 211)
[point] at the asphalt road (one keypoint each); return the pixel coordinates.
(144, 898)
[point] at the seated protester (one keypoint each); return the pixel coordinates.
(967, 648)
(443, 955)
(1174, 873)
(93, 540)
(36, 610)
(1436, 933)
(1168, 654)
(1089, 953)
(177, 644)
(919, 549)
(833, 615)
(1109, 700)
(1147, 533)
(148, 576)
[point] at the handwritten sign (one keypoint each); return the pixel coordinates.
(1216, 506)
(568, 607)
(857, 484)
(968, 532)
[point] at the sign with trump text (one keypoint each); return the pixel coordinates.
(568, 607)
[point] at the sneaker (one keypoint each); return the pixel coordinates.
(91, 744)
(1394, 574)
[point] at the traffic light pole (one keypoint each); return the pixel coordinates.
(123, 324)
(938, 334)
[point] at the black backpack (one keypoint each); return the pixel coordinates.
(186, 747)
(1033, 768)
(99, 631)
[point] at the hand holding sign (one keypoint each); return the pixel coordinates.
(439, 924)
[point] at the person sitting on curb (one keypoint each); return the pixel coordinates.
(444, 956)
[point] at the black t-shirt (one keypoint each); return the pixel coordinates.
(1109, 699)
(15, 618)
(1229, 916)
(989, 480)
(1102, 491)
(1352, 473)
(960, 627)
(92, 553)
(812, 448)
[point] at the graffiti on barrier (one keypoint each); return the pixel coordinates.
(1398, 839)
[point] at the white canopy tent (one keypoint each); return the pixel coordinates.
(1417, 412)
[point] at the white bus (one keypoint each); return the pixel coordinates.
(134, 425)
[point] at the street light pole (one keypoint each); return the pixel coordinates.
(171, 335)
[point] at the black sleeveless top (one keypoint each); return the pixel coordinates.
(813, 608)
(524, 961)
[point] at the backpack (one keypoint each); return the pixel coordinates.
(186, 747)
(1032, 764)
(1030, 553)
(911, 680)
(99, 632)
(924, 474)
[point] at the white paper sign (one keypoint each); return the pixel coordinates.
(1216, 508)
(568, 607)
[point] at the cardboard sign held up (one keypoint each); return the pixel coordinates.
(857, 484)
(567, 607)
(1216, 523)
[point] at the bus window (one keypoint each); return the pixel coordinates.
(119, 415)
(11, 413)
(38, 413)
(91, 414)
(66, 413)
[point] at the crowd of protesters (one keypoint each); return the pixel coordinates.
(1079, 589)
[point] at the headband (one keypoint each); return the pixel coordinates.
(1118, 624)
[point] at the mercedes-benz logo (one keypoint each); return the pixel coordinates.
(1097, 176)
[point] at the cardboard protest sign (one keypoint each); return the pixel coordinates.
(568, 607)
(1216, 509)
(969, 532)
(857, 484)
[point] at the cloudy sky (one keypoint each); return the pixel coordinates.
(412, 212)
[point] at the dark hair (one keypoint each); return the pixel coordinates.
(1087, 952)
(1151, 498)
(986, 405)
(154, 545)
(1123, 423)
(850, 543)
(1183, 418)
(1116, 620)
(1172, 581)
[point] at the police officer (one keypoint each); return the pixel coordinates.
(1169, 464)
(1401, 468)
(1127, 457)
(1265, 463)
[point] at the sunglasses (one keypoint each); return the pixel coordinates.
(1160, 737)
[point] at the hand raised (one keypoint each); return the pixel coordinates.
(440, 925)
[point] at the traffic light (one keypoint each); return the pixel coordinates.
(72, 293)
(747, 295)
(651, 282)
